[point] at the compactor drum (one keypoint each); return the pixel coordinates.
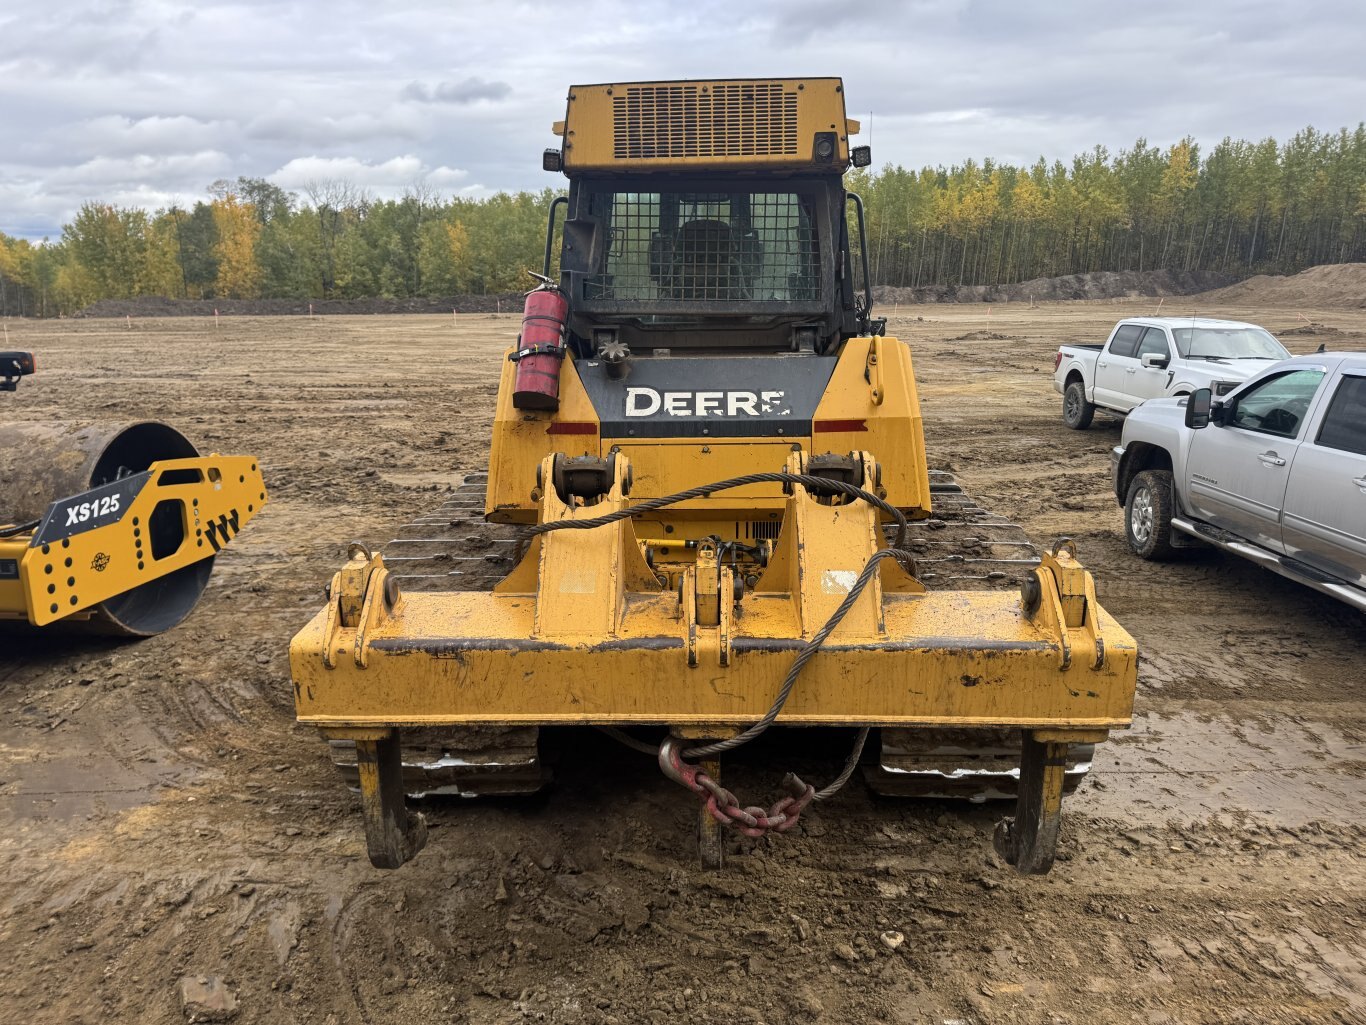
(113, 527)
(708, 510)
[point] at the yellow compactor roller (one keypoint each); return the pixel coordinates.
(708, 509)
(111, 527)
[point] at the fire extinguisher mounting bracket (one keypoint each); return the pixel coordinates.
(537, 350)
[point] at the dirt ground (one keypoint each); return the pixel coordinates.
(162, 817)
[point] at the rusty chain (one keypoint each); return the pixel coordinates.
(721, 803)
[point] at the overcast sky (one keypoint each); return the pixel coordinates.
(146, 102)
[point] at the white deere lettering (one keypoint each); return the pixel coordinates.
(741, 401)
(642, 402)
(676, 403)
(648, 402)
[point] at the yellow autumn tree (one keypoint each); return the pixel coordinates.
(160, 273)
(1180, 176)
(458, 241)
(239, 273)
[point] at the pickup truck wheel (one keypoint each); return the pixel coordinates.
(1076, 411)
(1148, 514)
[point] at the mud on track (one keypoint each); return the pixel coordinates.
(161, 816)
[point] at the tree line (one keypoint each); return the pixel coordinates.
(1245, 207)
(250, 239)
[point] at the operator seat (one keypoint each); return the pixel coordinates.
(706, 263)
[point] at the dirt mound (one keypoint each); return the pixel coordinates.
(1096, 285)
(1312, 328)
(1333, 284)
(984, 336)
(159, 306)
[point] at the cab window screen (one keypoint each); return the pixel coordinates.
(730, 247)
(1344, 426)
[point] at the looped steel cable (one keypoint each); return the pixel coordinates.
(622, 737)
(804, 656)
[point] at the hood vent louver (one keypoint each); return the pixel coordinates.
(679, 119)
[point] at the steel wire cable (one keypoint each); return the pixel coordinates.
(807, 480)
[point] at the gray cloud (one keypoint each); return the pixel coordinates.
(148, 101)
(469, 90)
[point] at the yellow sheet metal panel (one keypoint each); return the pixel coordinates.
(849, 418)
(815, 563)
(760, 124)
(522, 438)
(670, 465)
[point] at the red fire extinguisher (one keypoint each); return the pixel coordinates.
(540, 348)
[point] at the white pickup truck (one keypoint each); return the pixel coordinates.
(1151, 357)
(1274, 472)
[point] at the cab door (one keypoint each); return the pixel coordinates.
(1325, 504)
(1238, 469)
(1150, 382)
(1113, 368)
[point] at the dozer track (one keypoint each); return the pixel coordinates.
(963, 546)
(452, 548)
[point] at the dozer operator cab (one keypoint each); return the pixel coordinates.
(752, 255)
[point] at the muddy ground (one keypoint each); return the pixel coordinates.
(162, 817)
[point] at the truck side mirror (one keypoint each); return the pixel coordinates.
(14, 365)
(1198, 406)
(1158, 360)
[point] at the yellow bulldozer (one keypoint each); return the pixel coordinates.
(708, 509)
(111, 528)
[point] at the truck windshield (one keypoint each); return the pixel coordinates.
(1227, 343)
(712, 247)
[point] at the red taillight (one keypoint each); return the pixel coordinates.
(838, 426)
(571, 427)
(1057, 361)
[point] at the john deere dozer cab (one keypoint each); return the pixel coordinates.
(111, 528)
(708, 509)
